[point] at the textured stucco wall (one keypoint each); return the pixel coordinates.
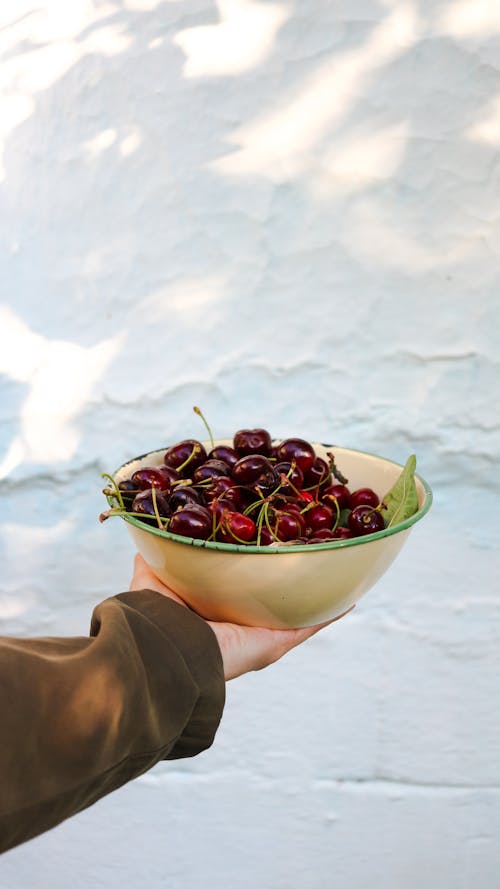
(287, 213)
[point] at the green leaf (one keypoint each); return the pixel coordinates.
(401, 501)
(344, 515)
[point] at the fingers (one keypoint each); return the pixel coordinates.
(306, 632)
(285, 640)
(243, 648)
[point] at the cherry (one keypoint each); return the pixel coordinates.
(340, 493)
(323, 534)
(210, 469)
(192, 521)
(225, 453)
(183, 495)
(266, 537)
(160, 477)
(127, 486)
(294, 476)
(249, 469)
(320, 516)
(365, 520)
(266, 483)
(298, 450)
(224, 489)
(363, 497)
(252, 441)
(186, 455)
(288, 525)
(236, 527)
(318, 474)
(286, 504)
(128, 491)
(218, 508)
(143, 503)
(342, 533)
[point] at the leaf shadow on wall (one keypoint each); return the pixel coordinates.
(176, 176)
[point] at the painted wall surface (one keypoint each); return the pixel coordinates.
(288, 213)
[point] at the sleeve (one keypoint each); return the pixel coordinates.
(79, 717)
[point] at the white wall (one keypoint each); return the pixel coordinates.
(288, 213)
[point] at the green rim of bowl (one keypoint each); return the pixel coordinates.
(300, 548)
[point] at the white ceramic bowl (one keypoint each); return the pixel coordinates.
(278, 586)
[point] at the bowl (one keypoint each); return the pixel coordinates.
(279, 586)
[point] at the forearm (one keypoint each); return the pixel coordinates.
(82, 716)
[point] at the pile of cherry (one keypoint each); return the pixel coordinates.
(254, 492)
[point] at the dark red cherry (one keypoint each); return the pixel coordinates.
(236, 528)
(319, 517)
(210, 469)
(127, 486)
(143, 503)
(128, 491)
(363, 497)
(192, 521)
(218, 508)
(183, 495)
(340, 493)
(323, 534)
(225, 453)
(252, 441)
(293, 475)
(266, 483)
(298, 450)
(152, 477)
(266, 538)
(188, 453)
(365, 520)
(224, 489)
(286, 504)
(342, 533)
(318, 474)
(288, 525)
(248, 469)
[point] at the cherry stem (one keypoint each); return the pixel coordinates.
(308, 507)
(248, 510)
(238, 539)
(200, 414)
(117, 510)
(155, 507)
(187, 461)
(260, 522)
(266, 517)
(285, 480)
(337, 518)
(116, 489)
(335, 471)
(215, 524)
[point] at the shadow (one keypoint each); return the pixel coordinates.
(225, 222)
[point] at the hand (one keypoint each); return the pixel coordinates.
(243, 648)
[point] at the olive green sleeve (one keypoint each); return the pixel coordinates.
(79, 717)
